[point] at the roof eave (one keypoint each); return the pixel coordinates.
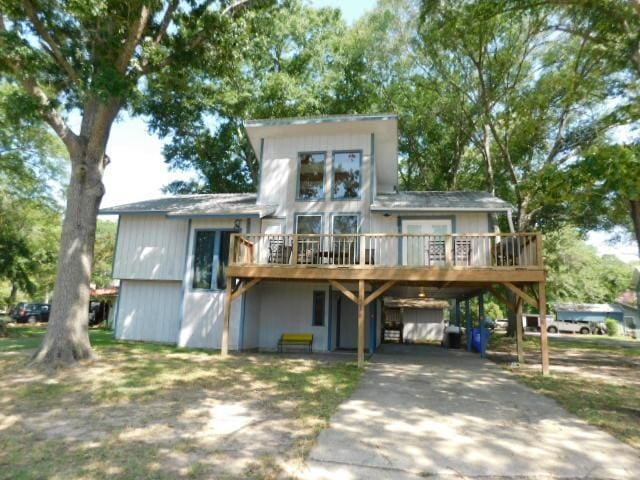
(438, 209)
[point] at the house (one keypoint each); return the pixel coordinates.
(314, 249)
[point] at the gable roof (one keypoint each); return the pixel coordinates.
(198, 205)
(314, 120)
(439, 201)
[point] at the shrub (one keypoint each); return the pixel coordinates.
(612, 327)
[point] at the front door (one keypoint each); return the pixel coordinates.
(423, 250)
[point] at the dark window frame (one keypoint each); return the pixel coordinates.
(317, 318)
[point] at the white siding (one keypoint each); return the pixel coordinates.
(150, 247)
(286, 307)
(251, 327)
(148, 310)
(203, 310)
(422, 324)
(280, 169)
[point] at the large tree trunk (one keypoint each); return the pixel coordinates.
(13, 295)
(67, 337)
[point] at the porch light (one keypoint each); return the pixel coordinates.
(422, 293)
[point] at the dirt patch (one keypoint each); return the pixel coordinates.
(598, 381)
(140, 413)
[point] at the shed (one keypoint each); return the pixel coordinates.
(422, 319)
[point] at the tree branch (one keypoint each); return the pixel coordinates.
(166, 20)
(235, 6)
(47, 38)
(51, 115)
(135, 34)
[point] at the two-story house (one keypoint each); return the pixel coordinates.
(327, 234)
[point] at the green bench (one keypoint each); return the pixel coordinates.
(296, 339)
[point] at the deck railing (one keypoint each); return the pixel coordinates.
(481, 250)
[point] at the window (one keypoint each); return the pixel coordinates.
(311, 176)
(318, 309)
(346, 175)
(345, 247)
(345, 224)
(309, 224)
(308, 246)
(210, 259)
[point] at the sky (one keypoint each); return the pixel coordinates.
(138, 172)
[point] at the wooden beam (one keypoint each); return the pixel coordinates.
(224, 348)
(245, 287)
(345, 291)
(386, 286)
(544, 341)
(523, 295)
(496, 293)
(519, 331)
(361, 307)
(377, 273)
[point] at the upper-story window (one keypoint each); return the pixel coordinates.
(311, 167)
(210, 259)
(347, 167)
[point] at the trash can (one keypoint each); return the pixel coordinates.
(476, 340)
(454, 339)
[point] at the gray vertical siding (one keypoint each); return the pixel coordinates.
(148, 310)
(150, 247)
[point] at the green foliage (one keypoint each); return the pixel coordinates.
(285, 66)
(603, 184)
(103, 253)
(577, 274)
(32, 177)
(493, 310)
(613, 328)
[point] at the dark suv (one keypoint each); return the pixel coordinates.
(31, 313)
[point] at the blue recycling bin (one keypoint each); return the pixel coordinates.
(478, 342)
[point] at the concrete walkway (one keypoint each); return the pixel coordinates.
(424, 412)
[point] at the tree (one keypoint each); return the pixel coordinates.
(32, 176)
(606, 188)
(287, 71)
(91, 58)
(103, 253)
(577, 274)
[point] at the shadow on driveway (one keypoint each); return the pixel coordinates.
(423, 411)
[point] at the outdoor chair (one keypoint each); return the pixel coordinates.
(462, 252)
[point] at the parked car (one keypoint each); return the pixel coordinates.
(31, 312)
(585, 327)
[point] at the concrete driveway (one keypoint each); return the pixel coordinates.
(425, 412)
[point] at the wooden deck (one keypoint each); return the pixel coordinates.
(364, 266)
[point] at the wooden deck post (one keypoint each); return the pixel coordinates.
(469, 326)
(544, 343)
(224, 348)
(519, 330)
(361, 323)
(481, 319)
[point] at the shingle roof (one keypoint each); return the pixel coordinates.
(270, 122)
(469, 200)
(586, 307)
(218, 204)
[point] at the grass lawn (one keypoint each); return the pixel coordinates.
(595, 378)
(151, 411)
